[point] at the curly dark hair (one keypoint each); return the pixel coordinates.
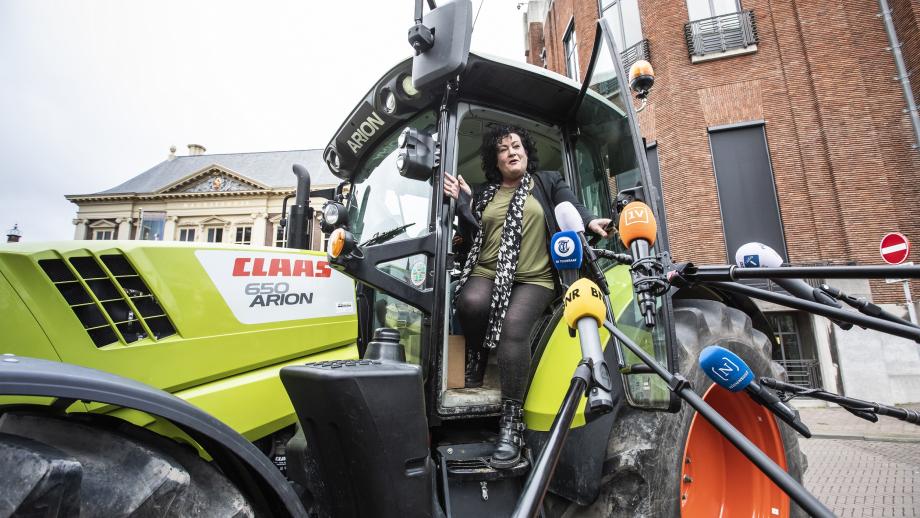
(488, 152)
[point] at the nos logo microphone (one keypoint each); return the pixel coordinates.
(566, 250)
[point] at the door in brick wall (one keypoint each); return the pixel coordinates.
(747, 194)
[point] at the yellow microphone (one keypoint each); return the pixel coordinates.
(586, 311)
(584, 299)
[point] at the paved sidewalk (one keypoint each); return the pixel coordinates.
(857, 478)
(836, 423)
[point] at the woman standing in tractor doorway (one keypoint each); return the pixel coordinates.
(508, 280)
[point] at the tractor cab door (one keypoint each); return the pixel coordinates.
(607, 158)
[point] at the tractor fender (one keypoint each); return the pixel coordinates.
(239, 459)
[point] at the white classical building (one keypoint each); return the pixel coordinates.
(226, 198)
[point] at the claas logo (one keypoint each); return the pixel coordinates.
(635, 215)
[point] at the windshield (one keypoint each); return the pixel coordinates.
(383, 205)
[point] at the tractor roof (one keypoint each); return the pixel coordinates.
(509, 85)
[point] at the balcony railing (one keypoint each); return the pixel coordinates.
(629, 56)
(804, 373)
(635, 53)
(721, 34)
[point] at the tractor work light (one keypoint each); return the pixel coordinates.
(340, 242)
(389, 101)
(334, 215)
(417, 155)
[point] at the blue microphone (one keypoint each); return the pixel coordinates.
(567, 253)
(730, 372)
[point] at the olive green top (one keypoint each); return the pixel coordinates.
(533, 262)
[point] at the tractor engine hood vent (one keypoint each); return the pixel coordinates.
(109, 298)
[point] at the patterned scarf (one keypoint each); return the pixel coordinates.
(508, 252)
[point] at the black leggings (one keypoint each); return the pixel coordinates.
(528, 302)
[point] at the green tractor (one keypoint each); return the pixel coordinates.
(143, 379)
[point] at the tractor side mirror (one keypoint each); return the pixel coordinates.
(441, 43)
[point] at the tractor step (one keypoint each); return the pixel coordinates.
(471, 462)
(472, 487)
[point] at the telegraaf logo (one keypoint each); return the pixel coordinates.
(564, 246)
(635, 215)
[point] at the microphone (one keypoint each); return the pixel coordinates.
(730, 372)
(638, 230)
(586, 310)
(566, 252)
(757, 255)
(568, 218)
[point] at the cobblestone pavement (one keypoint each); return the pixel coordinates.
(864, 478)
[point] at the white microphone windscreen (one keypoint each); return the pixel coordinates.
(757, 255)
(568, 218)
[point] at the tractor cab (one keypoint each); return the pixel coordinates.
(394, 231)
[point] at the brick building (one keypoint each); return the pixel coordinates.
(779, 122)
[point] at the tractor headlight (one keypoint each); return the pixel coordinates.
(334, 215)
(408, 87)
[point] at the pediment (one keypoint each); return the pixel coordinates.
(102, 223)
(213, 179)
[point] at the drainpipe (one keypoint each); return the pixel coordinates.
(902, 69)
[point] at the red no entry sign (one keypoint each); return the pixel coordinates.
(894, 248)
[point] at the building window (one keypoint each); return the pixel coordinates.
(102, 235)
(702, 9)
(623, 16)
(787, 334)
(186, 234)
(243, 235)
(280, 237)
(570, 44)
(747, 194)
(215, 235)
(152, 224)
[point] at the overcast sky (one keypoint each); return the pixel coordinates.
(94, 92)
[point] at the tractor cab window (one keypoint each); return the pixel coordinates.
(385, 207)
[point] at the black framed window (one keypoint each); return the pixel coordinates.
(570, 44)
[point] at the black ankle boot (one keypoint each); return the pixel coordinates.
(510, 439)
(477, 358)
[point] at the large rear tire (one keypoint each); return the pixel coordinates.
(661, 464)
(84, 466)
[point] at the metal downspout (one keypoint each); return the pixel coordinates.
(903, 78)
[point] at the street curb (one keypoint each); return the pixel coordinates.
(876, 438)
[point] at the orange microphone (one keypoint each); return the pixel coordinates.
(637, 222)
(638, 231)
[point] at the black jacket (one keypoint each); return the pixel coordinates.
(549, 190)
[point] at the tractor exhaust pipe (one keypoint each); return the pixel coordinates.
(301, 217)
